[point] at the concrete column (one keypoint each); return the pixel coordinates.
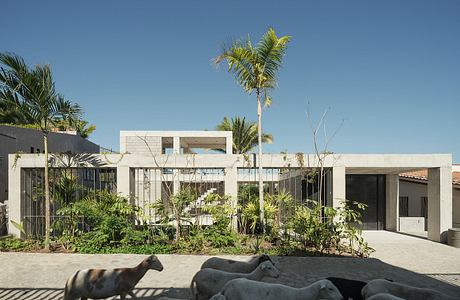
(392, 202)
(176, 145)
(14, 196)
(176, 173)
(229, 146)
(123, 181)
(231, 189)
(338, 186)
(439, 203)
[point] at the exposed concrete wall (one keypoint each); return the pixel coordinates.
(392, 202)
(439, 203)
(391, 165)
(136, 144)
(17, 139)
(412, 224)
(338, 186)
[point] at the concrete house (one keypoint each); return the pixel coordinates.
(25, 140)
(154, 164)
(413, 200)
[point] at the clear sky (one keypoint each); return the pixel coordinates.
(390, 69)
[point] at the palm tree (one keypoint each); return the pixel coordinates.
(255, 68)
(245, 137)
(32, 94)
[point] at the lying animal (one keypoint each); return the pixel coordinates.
(384, 296)
(243, 289)
(100, 283)
(208, 282)
(379, 286)
(234, 266)
(350, 289)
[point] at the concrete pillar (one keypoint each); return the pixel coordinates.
(176, 172)
(392, 202)
(439, 203)
(231, 189)
(338, 186)
(14, 196)
(123, 181)
(229, 145)
(176, 145)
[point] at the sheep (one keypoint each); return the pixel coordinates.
(378, 286)
(100, 283)
(208, 282)
(234, 266)
(384, 296)
(348, 288)
(243, 289)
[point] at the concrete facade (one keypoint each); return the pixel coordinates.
(181, 163)
(24, 140)
(417, 189)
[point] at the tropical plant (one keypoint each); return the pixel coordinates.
(31, 94)
(175, 210)
(244, 134)
(255, 68)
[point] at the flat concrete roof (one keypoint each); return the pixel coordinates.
(177, 133)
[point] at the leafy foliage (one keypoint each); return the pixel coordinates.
(244, 134)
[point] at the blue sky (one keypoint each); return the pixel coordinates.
(390, 69)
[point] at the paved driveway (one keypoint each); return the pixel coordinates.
(405, 259)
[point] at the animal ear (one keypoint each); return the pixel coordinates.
(323, 285)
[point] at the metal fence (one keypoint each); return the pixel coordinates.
(66, 185)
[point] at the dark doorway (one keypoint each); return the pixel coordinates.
(370, 190)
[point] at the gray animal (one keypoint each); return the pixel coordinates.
(378, 286)
(208, 282)
(234, 266)
(244, 289)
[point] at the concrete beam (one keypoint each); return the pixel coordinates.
(439, 203)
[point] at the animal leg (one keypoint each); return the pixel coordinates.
(122, 296)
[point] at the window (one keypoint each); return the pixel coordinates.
(424, 206)
(403, 206)
(32, 150)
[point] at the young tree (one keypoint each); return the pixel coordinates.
(255, 68)
(245, 134)
(32, 94)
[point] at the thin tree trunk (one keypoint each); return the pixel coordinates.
(261, 183)
(47, 194)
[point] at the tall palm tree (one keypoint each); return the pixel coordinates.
(255, 68)
(245, 134)
(31, 92)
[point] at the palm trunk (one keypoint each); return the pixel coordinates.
(47, 194)
(261, 183)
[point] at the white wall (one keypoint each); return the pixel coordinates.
(415, 191)
(456, 207)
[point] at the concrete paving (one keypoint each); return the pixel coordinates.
(398, 257)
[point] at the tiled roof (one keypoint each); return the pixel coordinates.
(423, 175)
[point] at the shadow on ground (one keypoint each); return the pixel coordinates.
(57, 294)
(294, 271)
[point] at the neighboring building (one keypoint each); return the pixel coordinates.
(413, 199)
(24, 140)
(154, 163)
